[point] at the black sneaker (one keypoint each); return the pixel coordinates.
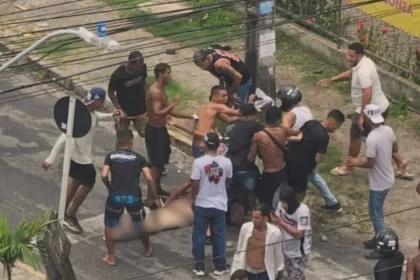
(370, 244)
(374, 255)
(162, 192)
(220, 272)
(336, 207)
(199, 271)
(208, 240)
(73, 224)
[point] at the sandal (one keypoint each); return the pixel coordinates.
(338, 171)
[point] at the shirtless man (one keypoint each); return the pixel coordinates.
(269, 144)
(259, 241)
(206, 122)
(156, 134)
(413, 266)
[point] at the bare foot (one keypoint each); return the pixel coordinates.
(402, 168)
(148, 252)
(342, 171)
(109, 260)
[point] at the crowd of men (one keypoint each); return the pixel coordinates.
(224, 186)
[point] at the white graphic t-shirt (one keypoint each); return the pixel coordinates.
(212, 172)
(301, 219)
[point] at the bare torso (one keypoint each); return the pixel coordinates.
(271, 155)
(159, 93)
(416, 267)
(205, 123)
(255, 251)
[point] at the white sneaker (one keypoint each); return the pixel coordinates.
(222, 272)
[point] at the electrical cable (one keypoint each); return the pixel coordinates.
(107, 54)
(272, 244)
(287, 21)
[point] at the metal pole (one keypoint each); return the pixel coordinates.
(36, 44)
(267, 48)
(251, 41)
(66, 161)
(338, 20)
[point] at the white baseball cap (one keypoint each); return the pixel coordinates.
(374, 113)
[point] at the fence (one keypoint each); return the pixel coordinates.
(388, 29)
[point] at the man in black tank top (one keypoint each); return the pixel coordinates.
(229, 69)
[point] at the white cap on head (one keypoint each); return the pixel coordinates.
(374, 113)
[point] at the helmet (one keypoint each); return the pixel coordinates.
(387, 241)
(289, 96)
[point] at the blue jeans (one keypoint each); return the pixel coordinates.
(322, 187)
(258, 276)
(243, 91)
(198, 151)
(376, 209)
(217, 221)
(243, 181)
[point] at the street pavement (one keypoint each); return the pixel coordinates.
(27, 133)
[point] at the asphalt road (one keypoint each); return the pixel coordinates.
(27, 133)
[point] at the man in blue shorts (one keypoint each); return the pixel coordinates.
(125, 166)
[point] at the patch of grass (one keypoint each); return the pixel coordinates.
(188, 99)
(186, 27)
(332, 159)
(400, 108)
(313, 69)
(58, 46)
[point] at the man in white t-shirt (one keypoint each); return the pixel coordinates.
(211, 175)
(365, 89)
(82, 172)
(380, 146)
(294, 220)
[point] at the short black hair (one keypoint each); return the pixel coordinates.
(134, 57)
(124, 136)
(264, 209)
(273, 115)
(337, 115)
(239, 274)
(161, 68)
(357, 48)
(215, 90)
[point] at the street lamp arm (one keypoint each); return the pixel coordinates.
(36, 44)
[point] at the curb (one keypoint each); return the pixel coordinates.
(31, 270)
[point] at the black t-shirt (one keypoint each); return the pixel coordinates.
(389, 268)
(126, 167)
(240, 141)
(129, 89)
(315, 139)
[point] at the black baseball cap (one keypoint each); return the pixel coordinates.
(212, 140)
(248, 109)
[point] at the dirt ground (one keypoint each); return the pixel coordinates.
(296, 67)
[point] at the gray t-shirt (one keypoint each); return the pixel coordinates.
(379, 146)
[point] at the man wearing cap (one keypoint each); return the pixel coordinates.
(380, 146)
(127, 92)
(82, 171)
(210, 176)
(207, 116)
(245, 173)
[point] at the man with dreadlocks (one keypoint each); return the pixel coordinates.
(231, 71)
(259, 248)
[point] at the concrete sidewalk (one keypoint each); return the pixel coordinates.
(24, 272)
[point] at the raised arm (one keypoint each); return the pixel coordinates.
(56, 148)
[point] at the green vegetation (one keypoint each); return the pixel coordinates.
(19, 244)
(400, 108)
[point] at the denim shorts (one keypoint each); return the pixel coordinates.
(243, 181)
(198, 151)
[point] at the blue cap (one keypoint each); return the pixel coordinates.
(94, 94)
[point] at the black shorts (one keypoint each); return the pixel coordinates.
(269, 184)
(115, 206)
(355, 132)
(85, 174)
(158, 145)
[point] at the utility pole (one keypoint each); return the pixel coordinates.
(261, 44)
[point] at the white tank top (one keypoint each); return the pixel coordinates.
(302, 114)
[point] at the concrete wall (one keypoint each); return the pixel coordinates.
(393, 85)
